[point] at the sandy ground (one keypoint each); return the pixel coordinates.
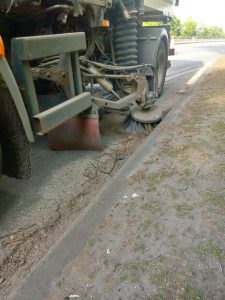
(22, 248)
(165, 237)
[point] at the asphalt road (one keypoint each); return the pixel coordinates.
(188, 59)
(59, 176)
(55, 174)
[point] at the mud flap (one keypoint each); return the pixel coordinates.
(78, 133)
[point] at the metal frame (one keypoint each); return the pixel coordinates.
(9, 79)
(27, 49)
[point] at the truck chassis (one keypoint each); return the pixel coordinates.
(68, 61)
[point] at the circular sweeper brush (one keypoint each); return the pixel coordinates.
(142, 120)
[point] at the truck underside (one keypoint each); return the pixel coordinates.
(118, 65)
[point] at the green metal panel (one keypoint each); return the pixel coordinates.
(35, 47)
(70, 75)
(158, 4)
(15, 93)
(56, 115)
(30, 95)
(164, 6)
(76, 73)
(27, 49)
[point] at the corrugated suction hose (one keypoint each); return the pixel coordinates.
(125, 37)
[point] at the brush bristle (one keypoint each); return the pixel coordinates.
(130, 125)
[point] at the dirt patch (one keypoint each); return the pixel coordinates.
(168, 241)
(21, 249)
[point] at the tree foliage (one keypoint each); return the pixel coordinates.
(210, 32)
(176, 27)
(191, 28)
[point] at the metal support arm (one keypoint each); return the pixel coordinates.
(9, 79)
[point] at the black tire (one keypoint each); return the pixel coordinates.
(15, 148)
(158, 80)
(0, 161)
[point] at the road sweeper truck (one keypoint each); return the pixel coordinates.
(64, 61)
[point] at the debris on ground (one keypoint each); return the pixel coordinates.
(21, 249)
(170, 244)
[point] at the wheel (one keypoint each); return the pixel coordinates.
(0, 161)
(14, 146)
(158, 80)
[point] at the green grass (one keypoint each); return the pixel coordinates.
(160, 296)
(200, 251)
(184, 210)
(125, 276)
(220, 168)
(199, 145)
(173, 193)
(141, 267)
(165, 174)
(152, 183)
(215, 251)
(152, 207)
(219, 127)
(219, 150)
(219, 93)
(130, 210)
(156, 178)
(216, 199)
(169, 282)
(133, 271)
(181, 151)
(176, 152)
(91, 243)
(139, 176)
(172, 284)
(149, 161)
(187, 172)
(140, 247)
(145, 225)
(160, 277)
(207, 248)
(191, 293)
(185, 161)
(167, 278)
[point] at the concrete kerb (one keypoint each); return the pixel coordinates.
(39, 281)
(190, 41)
